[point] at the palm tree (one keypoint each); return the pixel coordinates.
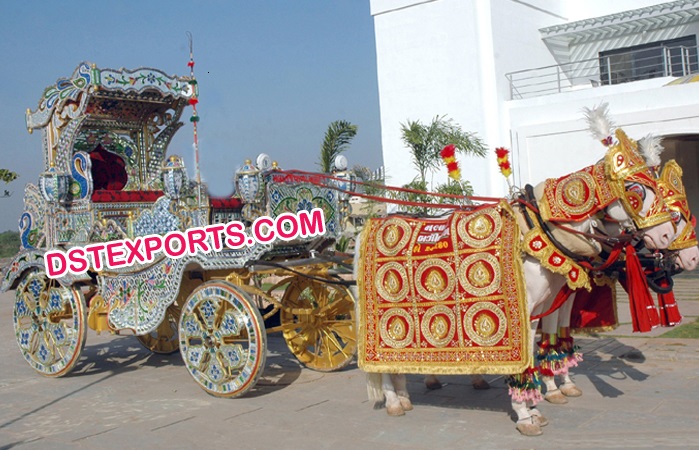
(426, 141)
(337, 139)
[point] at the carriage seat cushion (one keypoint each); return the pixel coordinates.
(108, 196)
(108, 170)
(226, 203)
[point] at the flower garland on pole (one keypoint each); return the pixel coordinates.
(448, 154)
(193, 100)
(504, 164)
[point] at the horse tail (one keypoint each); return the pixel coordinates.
(374, 387)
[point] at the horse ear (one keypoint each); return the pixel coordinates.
(651, 147)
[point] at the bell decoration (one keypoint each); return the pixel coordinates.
(174, 176)
(248, 183)
(54, 186)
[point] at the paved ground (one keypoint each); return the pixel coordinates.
(640, 392)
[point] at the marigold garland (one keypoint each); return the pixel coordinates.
(503, 161)
(448, 155)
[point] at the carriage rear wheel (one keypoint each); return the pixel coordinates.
(318, 324)
(222, 339)
(164, 340)
(50, 324)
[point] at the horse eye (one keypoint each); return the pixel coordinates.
(676, 216)
(638, 189)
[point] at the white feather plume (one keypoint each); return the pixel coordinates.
(651, 147)
(598, 121)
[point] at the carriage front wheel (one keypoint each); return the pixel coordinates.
(318, 323)
(50, 324)
(222, 339)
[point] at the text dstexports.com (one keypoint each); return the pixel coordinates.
(176, 244)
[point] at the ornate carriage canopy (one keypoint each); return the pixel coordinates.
(123, 119)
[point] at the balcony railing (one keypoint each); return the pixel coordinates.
(604, 70)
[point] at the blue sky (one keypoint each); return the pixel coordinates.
(272, 75)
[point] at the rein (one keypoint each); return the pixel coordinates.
(528, 202)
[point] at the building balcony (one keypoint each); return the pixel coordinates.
(609, 68)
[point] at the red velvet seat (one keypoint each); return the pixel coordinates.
(108, 196)
(226, 203)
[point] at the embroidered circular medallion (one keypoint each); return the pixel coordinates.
(396, 328)
(479, 274)
(392, 236)
(576, 195)
(480, 230)
(391, 282)
(438, 325)
(485, 324)
(434, 279)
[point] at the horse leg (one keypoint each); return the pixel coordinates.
(547, 356)
(400, 383)
(479, 383)
(524, 396)
(432, 383)
(393, 403)
(527, 424)
(536, 415)
(568, 388)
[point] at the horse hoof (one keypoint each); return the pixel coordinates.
(540, 420)
(481, 385)
(529, 429)
(556, 397)
(405, 403)
(395, 410)
(570, 390)
(433, 385)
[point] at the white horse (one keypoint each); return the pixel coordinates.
(541, 284)
(685, 257)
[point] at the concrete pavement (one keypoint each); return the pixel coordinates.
(639, 392)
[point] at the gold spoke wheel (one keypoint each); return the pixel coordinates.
(165, 339)
(318, 324)
(50, 324)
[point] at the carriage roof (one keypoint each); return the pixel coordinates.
(108, 94)
(133, 113)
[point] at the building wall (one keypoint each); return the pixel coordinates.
(448, 57)
(437, 57)
(551, 136)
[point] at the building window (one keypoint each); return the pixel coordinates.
(675, 57)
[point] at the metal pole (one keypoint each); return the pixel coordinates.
(609, 72)
(558, 75)
(666, 72)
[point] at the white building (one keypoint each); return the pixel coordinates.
(518, 73)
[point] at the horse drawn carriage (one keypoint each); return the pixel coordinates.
(439, 295)
(107, 176)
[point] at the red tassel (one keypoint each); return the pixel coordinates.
(669, 312)
(644, 316)
(190, 64)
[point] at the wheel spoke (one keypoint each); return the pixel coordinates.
(50, 324)
(230, 350)
(316, 321)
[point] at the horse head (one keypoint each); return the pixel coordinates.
(684, 242)
(632, 182)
